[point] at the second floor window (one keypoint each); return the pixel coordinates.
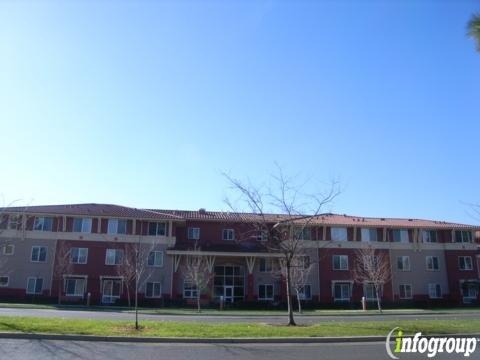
(155, 258)
(432, 263)
(338, 234)
(117, 226)
(8, 249)
(228, 234)
(39, 254)
(403, 263)
(429, 236)
(157, 229)
(340, 262)
(465, 263)
(369, 235)
(463, 236)
(114, 257)
(78, 255)
(43, 223)
(193, 233)
(400, 235)
(82, 225)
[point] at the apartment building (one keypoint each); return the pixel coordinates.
(79, 253)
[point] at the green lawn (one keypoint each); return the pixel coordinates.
(233, 312)
(229, 330)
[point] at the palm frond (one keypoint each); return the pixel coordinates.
(473, 29)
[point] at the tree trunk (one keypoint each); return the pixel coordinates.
(136, 303)
(291, 320)
(128, 294)
(198, 301)
(60, 292)
(379, 305)
(299, 301)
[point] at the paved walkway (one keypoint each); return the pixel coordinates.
(270, 319)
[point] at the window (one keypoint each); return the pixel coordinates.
(193, 233)
(369, 235)
(405, 291)
(429, 236)
(305, 292)
(117, 226)
(303, 233)
(39, 253)
(14, 222)
(262, 235)
(43, 224)
(432, 263)
(157, 229)
(74, 286)
(340, 262)
(341, 291)
(228, 234)
(8, 249)
(34, 285)
(465, 263)
(112, 288)
(78, 255)
(369, 292)
(114, 257)
(153, 290)
(189, 290)
(400, 235)
(266, 265)
(463, 236)
(469, 292)
(4, 281)
(338, 234)
(155, 258)
(434, 291)
(305, 261)
(403, 263)
(265, 292)
(82, 225)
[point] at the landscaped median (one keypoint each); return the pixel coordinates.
(170, 329)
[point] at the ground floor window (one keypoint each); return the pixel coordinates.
(369, 292)
(34, 285)
(189, 290)
(75, 286)
(341, 291)
(112, 289)
(265, 292)
(4, 281)
(405, 291)
(229, 283)
(434, 291)
(153, 290)
(305, 292)
(470, 293)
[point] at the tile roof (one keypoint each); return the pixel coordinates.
(94, 210)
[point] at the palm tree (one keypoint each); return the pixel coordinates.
(474, 29)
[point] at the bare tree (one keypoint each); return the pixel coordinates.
(372, 267)
(299, 273)
(284, 234)
(134, 269)
(62, 266)
(196, 272)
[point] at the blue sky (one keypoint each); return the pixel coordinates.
(145, 104)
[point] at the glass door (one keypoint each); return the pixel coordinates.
(111, 290)
(228, 294)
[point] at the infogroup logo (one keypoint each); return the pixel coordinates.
(429, 345)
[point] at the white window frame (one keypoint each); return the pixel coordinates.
(228, 234)
(15, 222)
(189, 290)
(193, 233)
(268, 268)
(404, 236)
(79, 249)
(8, 280)
(39, 247)
(11, 246)
(427, 263)
(365, 285)
(369, 231)
(75, 278)
(470, 298)
(338, 233)
(433, 286)
(462, 259)
(410, 287)
(466, 236)
(115, 260)
(85, 226)
(343, 284)
(264, 298)
(42, 223)
(262, 235)
(302, 292)
(403, 258)
(341, 257)
(154, 294)
(35, 287)
(113, 226)
(156, 253)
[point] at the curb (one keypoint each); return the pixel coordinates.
(179, 340)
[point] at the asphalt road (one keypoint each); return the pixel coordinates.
(270, 319)
(46, 349)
